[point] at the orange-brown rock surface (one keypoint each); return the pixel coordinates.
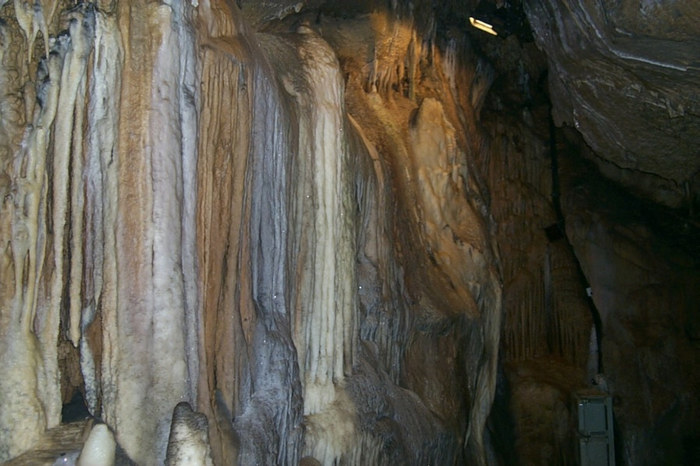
(342, 233)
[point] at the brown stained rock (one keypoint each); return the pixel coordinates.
(309, 461)
(66, 439)
(318, 219)
(645, 279)
(71, 375)
(543, 409)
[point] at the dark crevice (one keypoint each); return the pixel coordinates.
(556, 202)
(76, 409)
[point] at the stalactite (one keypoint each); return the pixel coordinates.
(68, 154)
(188, 106)
(276, 392)
(101, 190)
(395, 52)
(544, 319)
(223, 210)
(451, 60)
(384, 322)
(195, 199)
(151, 303)
(28, 343)
(322, 224)
(26, 18)
(572, 320)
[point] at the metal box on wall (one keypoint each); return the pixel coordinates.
(596, 440)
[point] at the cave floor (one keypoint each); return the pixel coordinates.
(61, 440)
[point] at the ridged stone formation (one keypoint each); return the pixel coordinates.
(188, 443)
(326, 232)
(626, 76)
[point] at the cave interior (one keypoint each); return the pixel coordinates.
(325, 232)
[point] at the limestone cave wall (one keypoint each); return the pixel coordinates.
(342, 233)
(197, 211)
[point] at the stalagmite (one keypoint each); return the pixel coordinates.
(188, 443)
(99, 447)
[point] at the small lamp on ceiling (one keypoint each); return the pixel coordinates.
(502, 22)
(483, 25)
(484, 17)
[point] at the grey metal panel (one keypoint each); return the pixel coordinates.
(593, 417)
(595, 452)
(595, 430)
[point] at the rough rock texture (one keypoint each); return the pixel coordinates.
(346, 232)
(60, 444)
(638, 257)
(643, 265)
(190, 204)
(626, 74)
(547, 323)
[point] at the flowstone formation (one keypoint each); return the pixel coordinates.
(318, 232)
(198, 211)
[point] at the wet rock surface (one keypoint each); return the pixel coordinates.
(625, 75)
(348, 233)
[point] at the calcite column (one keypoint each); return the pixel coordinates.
(100, 224)
(151, 365)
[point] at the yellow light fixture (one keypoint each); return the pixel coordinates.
(486, 27)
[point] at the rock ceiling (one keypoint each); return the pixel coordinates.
(624, 74)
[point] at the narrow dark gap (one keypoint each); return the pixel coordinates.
(74, 406)
(561, 226)
(75, 409)
(500, 425)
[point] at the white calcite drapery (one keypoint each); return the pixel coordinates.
(191, 204)
(104, 204)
